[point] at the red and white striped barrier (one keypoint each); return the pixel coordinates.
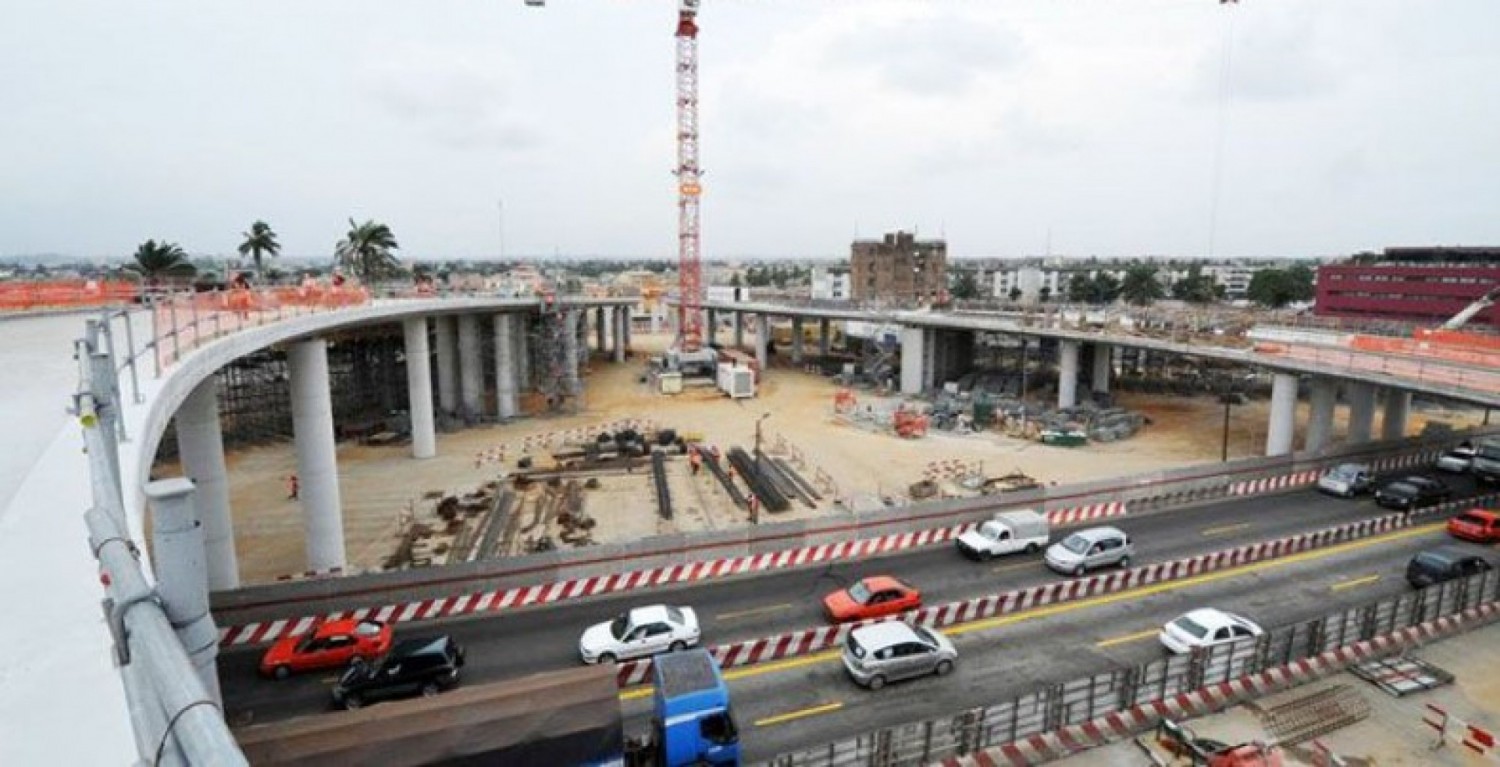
(1119, 725)
(1085, 513)
(1269, 484)
(1477, 739)
(796, 643)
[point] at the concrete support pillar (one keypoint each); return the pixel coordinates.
(626, 314)
(182, 576)
(1067, 374)
(739, 330)
(447, 363)
(825, 336)
(521, 326)
(762, 341)
(1283, 425)
(1322, 395)
(317, 457)
(601, 333)
(913, 360)
(201, 445)
(505, 367)
(419, 388)
(622, 318)
(710, 327)
(1397, 408)
(797, 340)
(571, 385)
(1361, 398)
(1103, 368)
(470, 370)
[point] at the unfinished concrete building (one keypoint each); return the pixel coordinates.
(899, 268)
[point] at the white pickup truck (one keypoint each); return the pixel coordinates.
(1007, 532)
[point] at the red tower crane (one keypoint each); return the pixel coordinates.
(689, 183)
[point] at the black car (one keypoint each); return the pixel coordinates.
(1444, 564)
(1412, 492)
(413, 667)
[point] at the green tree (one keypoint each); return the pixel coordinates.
(1045, 294)
(158, 261)
(1276, 288)
(1301, 281)
(366, 251)
(1099, 288)
(1140, 287)
(965, 285)
(1015, 294)
(259, 241)
(734, 280)
(1196, 287)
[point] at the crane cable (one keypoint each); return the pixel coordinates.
(1222, 128)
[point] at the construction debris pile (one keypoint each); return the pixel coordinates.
(968, 412)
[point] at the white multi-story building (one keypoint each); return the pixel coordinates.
(830, 285)
(1028, 283)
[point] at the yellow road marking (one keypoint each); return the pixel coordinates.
(800, 713)
(1368, 579)
(1043, 612)
(755, 611)
(1226, 529)
(1016, 566)
(1127, 638)
(329, 679)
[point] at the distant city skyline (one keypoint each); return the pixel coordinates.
(1266, 128)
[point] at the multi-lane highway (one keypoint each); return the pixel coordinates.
(999, 658)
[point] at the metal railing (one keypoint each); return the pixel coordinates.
(175, 718)
(1082, 700)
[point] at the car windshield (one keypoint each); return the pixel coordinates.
(1344, 472)
(1470, 519)
(675, 615)
(619, 626)
(859, 593)
(990, 530)
(1190, 626)
(1489, 451)
(926, 635)
(1401, 488)
(367, 628)
(1076, 544)
(1432, 561)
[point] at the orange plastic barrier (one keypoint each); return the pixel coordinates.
(1460, 339)
(1426, 349)
(61, 294)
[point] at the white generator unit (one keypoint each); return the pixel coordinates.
(737, 382)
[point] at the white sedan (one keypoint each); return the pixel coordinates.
(640, 633)
(1456, 461)
(1206, 627)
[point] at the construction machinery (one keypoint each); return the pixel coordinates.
(1174, 744)
(909, 424)
(1458, 321)
(689, 183)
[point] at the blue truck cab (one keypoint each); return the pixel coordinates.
(692, 722)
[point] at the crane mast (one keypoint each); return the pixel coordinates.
(689, 186)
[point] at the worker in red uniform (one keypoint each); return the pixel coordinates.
(754, 509)
(292, 486)
(695, 460)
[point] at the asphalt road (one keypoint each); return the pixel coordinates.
(514, 644)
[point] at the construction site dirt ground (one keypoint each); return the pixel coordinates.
(382, 488)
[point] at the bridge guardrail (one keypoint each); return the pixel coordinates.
(1056, 720)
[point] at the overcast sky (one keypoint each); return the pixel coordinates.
(1346, 125)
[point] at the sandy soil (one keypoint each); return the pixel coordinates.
(381, 485)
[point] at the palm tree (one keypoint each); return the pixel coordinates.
(156, 261)
(259, 240)
(1140, 287)
(366, 251)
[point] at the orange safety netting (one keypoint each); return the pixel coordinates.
(1429, 349)
(57, 294)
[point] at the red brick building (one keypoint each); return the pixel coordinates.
(1421, 285)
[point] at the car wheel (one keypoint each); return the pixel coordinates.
(1124, 562)
(607, 657)
(352, 701)
(944, 667)
(986, 555)
(1079, 570)
(281, 672)
(1031, 548)
(876, 682)
(430, 689)
(678, 645)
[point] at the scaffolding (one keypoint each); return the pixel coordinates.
(547, 347)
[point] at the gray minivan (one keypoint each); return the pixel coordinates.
(1090, 549)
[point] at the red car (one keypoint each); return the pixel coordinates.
(1477, 525)
(872, 597)
(329, 645)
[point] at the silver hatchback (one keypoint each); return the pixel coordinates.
(1089, 549)
(893, 650)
